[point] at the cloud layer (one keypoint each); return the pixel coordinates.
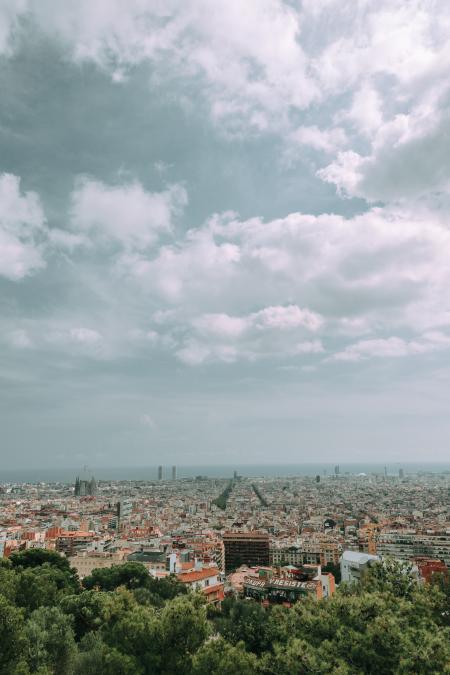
(22, 230)
(192, 201)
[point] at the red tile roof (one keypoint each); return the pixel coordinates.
(197, 575)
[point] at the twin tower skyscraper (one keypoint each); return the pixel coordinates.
(174, 472)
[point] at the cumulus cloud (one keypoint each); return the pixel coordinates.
(257, 66)
(125, 214)
(326, 140)
(248, 58)
(22, 230)
(253, 289)
(393, 347)
(382, 257)
(272, 332)
(362, 85)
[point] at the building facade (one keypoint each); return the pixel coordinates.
(245, 548)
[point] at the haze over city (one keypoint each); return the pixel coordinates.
(224, 233)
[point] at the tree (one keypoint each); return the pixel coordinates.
(137, 633)
(392, 576)
(440, 588)
(98, 658)
(130, 575)
(41, 586)
(334, 569)
(8, 582)
(244, 621)
(157, 591)
(184, 627)
(38, 557)
(301, 658)
(90, 610)
(13, 641)
(218, 657)
(51, 641)
(425, 652)
(34, 557)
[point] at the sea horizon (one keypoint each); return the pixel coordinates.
(269, 470)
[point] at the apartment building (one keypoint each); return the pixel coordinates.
(409, 545)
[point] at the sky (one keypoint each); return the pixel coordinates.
(224, 231)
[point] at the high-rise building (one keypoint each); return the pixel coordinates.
(160, 471)
(401, 473)
(336, 470)
(85, 488)
(174, 472)
(124, 508)
(245, 548)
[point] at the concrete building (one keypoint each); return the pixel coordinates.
(160, 472)
(69, 542)
(155, 561)
(174, 472)
(245, 548)
(85, 562)
(355, 565)
(288, 555)
(409, 545)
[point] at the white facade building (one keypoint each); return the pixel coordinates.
(354, 565)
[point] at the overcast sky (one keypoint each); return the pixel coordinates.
(224, 231)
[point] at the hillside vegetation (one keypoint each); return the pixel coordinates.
(120, 621)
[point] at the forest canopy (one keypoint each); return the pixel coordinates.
(121, 621)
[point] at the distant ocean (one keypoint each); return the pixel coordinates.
(68, 475)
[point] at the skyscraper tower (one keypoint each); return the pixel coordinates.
(159, 472)
(174, 472)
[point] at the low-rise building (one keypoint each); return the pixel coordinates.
(355, 565)
(206, 580)
(85, 562)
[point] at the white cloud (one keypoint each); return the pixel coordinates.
(326, 140)
(248, 58)
(22, 230)
(222, 325)
(125, 214)
(366, 83)
(366, 110)
(291, 316)
(193, 353)
(272, 332)
(252, 289)
(86, 336)
(257, 63)
(393, 347)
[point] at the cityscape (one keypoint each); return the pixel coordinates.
(286, 526)
(224, 337)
